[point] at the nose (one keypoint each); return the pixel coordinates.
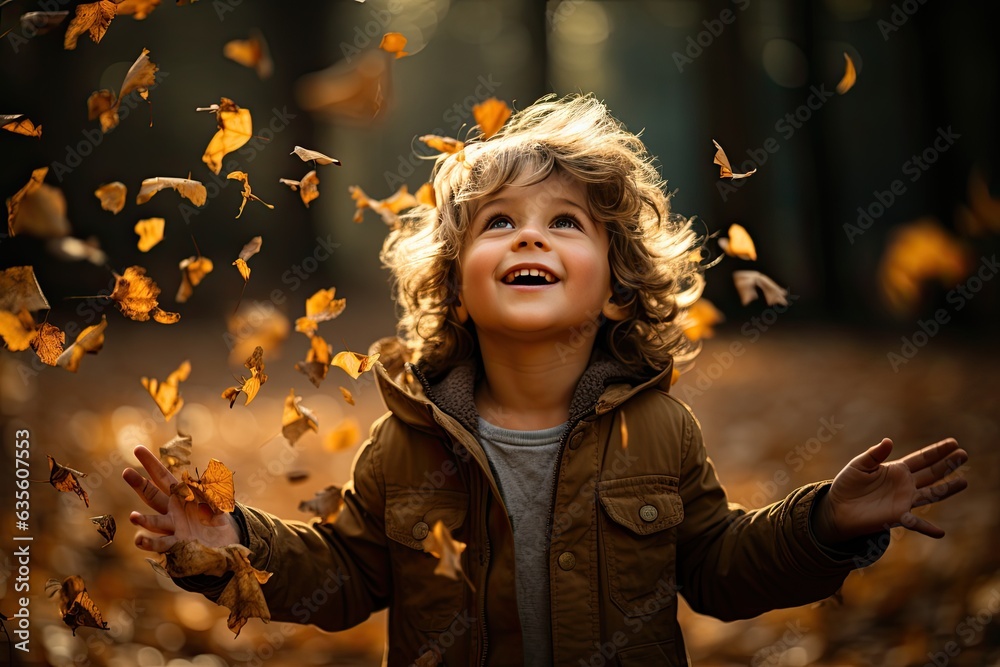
(529, 237)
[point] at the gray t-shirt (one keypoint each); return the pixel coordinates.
(524, 463)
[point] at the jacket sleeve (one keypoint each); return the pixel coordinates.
(330, 575)
(734, 563)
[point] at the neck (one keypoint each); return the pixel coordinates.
(529, 385)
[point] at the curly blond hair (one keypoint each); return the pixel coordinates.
(654, 255)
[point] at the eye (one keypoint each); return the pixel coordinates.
(566, 222)
(498, 221)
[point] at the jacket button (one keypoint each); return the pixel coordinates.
(567, 561)
(648, 513)
(420, 530)
(575, 441)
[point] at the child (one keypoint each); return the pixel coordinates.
(541, 302)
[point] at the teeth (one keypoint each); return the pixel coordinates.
(549, 278)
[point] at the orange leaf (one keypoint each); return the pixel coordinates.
(344, 435)
(137, 9)
(191, 190)
(258, 325)
(235, 129)
(135, 294)
(354, 364)
(252, 53)
(326, 504)
(850, 75)
(308, 187)
(65, 479)
(150, 232)
(214, 488)
(440, 544)
(297, 420)
(19, 290)
(103, 104)
(699, 320)
(348, 396)
(353, 90)
(75, 604)
(490, 116)
(167, 394)
(388, 208)
(93, 18)
(37, 209)
(193, 271)
(393, 42)
(443, 144)
(247, 194)
(249, 250)
(425, 195)
(48, 344)
(19, 331)
(317, 361)
(112, 196)
(175, 454)
(739, 244)
(725, 170)
(917, 253)
(90, 341)
(249, 386)
(18, 124)
(320, 307)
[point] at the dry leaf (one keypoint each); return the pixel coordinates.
(320, 307)
(389, 208)
(214, 488)
(19, 290)
(137, 9)
(104, 104)
(19, 331)
(37, 209)
(425, 195)
(135, 294)
(305, 155)
(189, 558)
(352, 90)
(354, 364)
(440, 544)
(917, 253)
(326, 504)
(19, 124)
(317, 361)
(739, 244)
(490, 116)
(252, 53)
(48, 344)
(297, 420)
(65, 479)
(257, 325)
(93, 18)
(235, 129)
(192, 190)
(700, 319)
(75, 604)
(193, 271)
(623, 429)
(249, 250)
(344, 435)
(167, 394)
(308, 187)
(150, 232)
(982, 215)
(89, 341)
(112, 196)
(725, 170)
(443, 144)
(249, 386)
(247, 194)
(850, 75)
(747, 283)
(106, 526)
(393, 42)
(346, 393)
(176, 453)
(73, 249)
(42, 22)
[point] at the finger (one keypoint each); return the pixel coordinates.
(930, 454)
(162, 477)
(941, 469)
(150, 495)
(152, 542)
(912, 522)
(933, 494)
(155, 523)
(873, 457)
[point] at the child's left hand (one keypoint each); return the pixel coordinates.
(870, 495)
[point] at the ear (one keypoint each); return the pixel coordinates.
(461, 312)
(613, 311)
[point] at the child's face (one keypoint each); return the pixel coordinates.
(544, 228)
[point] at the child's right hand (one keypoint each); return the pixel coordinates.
(176, 519)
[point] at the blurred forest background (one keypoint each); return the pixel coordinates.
(878, 209)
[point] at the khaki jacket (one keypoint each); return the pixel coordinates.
(631, 527)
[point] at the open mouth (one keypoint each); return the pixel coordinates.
(529, 277)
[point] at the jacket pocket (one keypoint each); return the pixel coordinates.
(429, 601)
(640, 541)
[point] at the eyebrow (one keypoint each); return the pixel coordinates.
(501, 201)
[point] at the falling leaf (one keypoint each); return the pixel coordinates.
(42, 22)
(75, 604)
(48, 344)
(65, 479)
(249, 250)
(135, 293)
(394, 42)
(247, 194)
(747, 283)
(235, 129)
(389, 208)
(167, 394)
(850, 75)
(346, 393)
(623, 429)
(214, 488)
(137, 9)
(700, 319)
(19, 290)
(443, 144)
(308, 187)
(296, 476)
(306, 155)
(249, 386)
(252, 53)
(112, 196)
(725, 170)
(93, 18)
(19, 124)
(89, 341)
(19, 331)
(297, 420)
(258, 325)
(192, 190)
(320, 307)
(982, 215)
(354, 90)
(354, 364)
(739, 244)
(193, 271)
(106, 527)
(317, 361)
(104, 104)
(188, 558)
(326, 504)
(917, 253)
(490, 116)
(73, 249)
(425, 195)
(37, 209)
(176, 453)
(440, 544)
(344, 435)
(150, 232)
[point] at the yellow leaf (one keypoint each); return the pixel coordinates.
(214, 488)
(17, 331)
(48, 344)
(490, 116)
(308, 187)
(297, 420)
(112, 196)
(191, 190)
(247, 194)
(93, 18)
(739, 244)
(37, 209)
(699, 320)
(317, 361)
(354, 364)
(167, 394)
(443, 144)
(150, 232)
(320, 307)
(252, 53)
(90, 341)
(250, 386)
(235, 129)
(725, 169)
(346, 393)
(137, 9)
(440, 544)
(19, 124)
(850, 76)
(135, 293)
(104, 104)
(389, 208)
(917, 253)
(193, 271)
(344, 435)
